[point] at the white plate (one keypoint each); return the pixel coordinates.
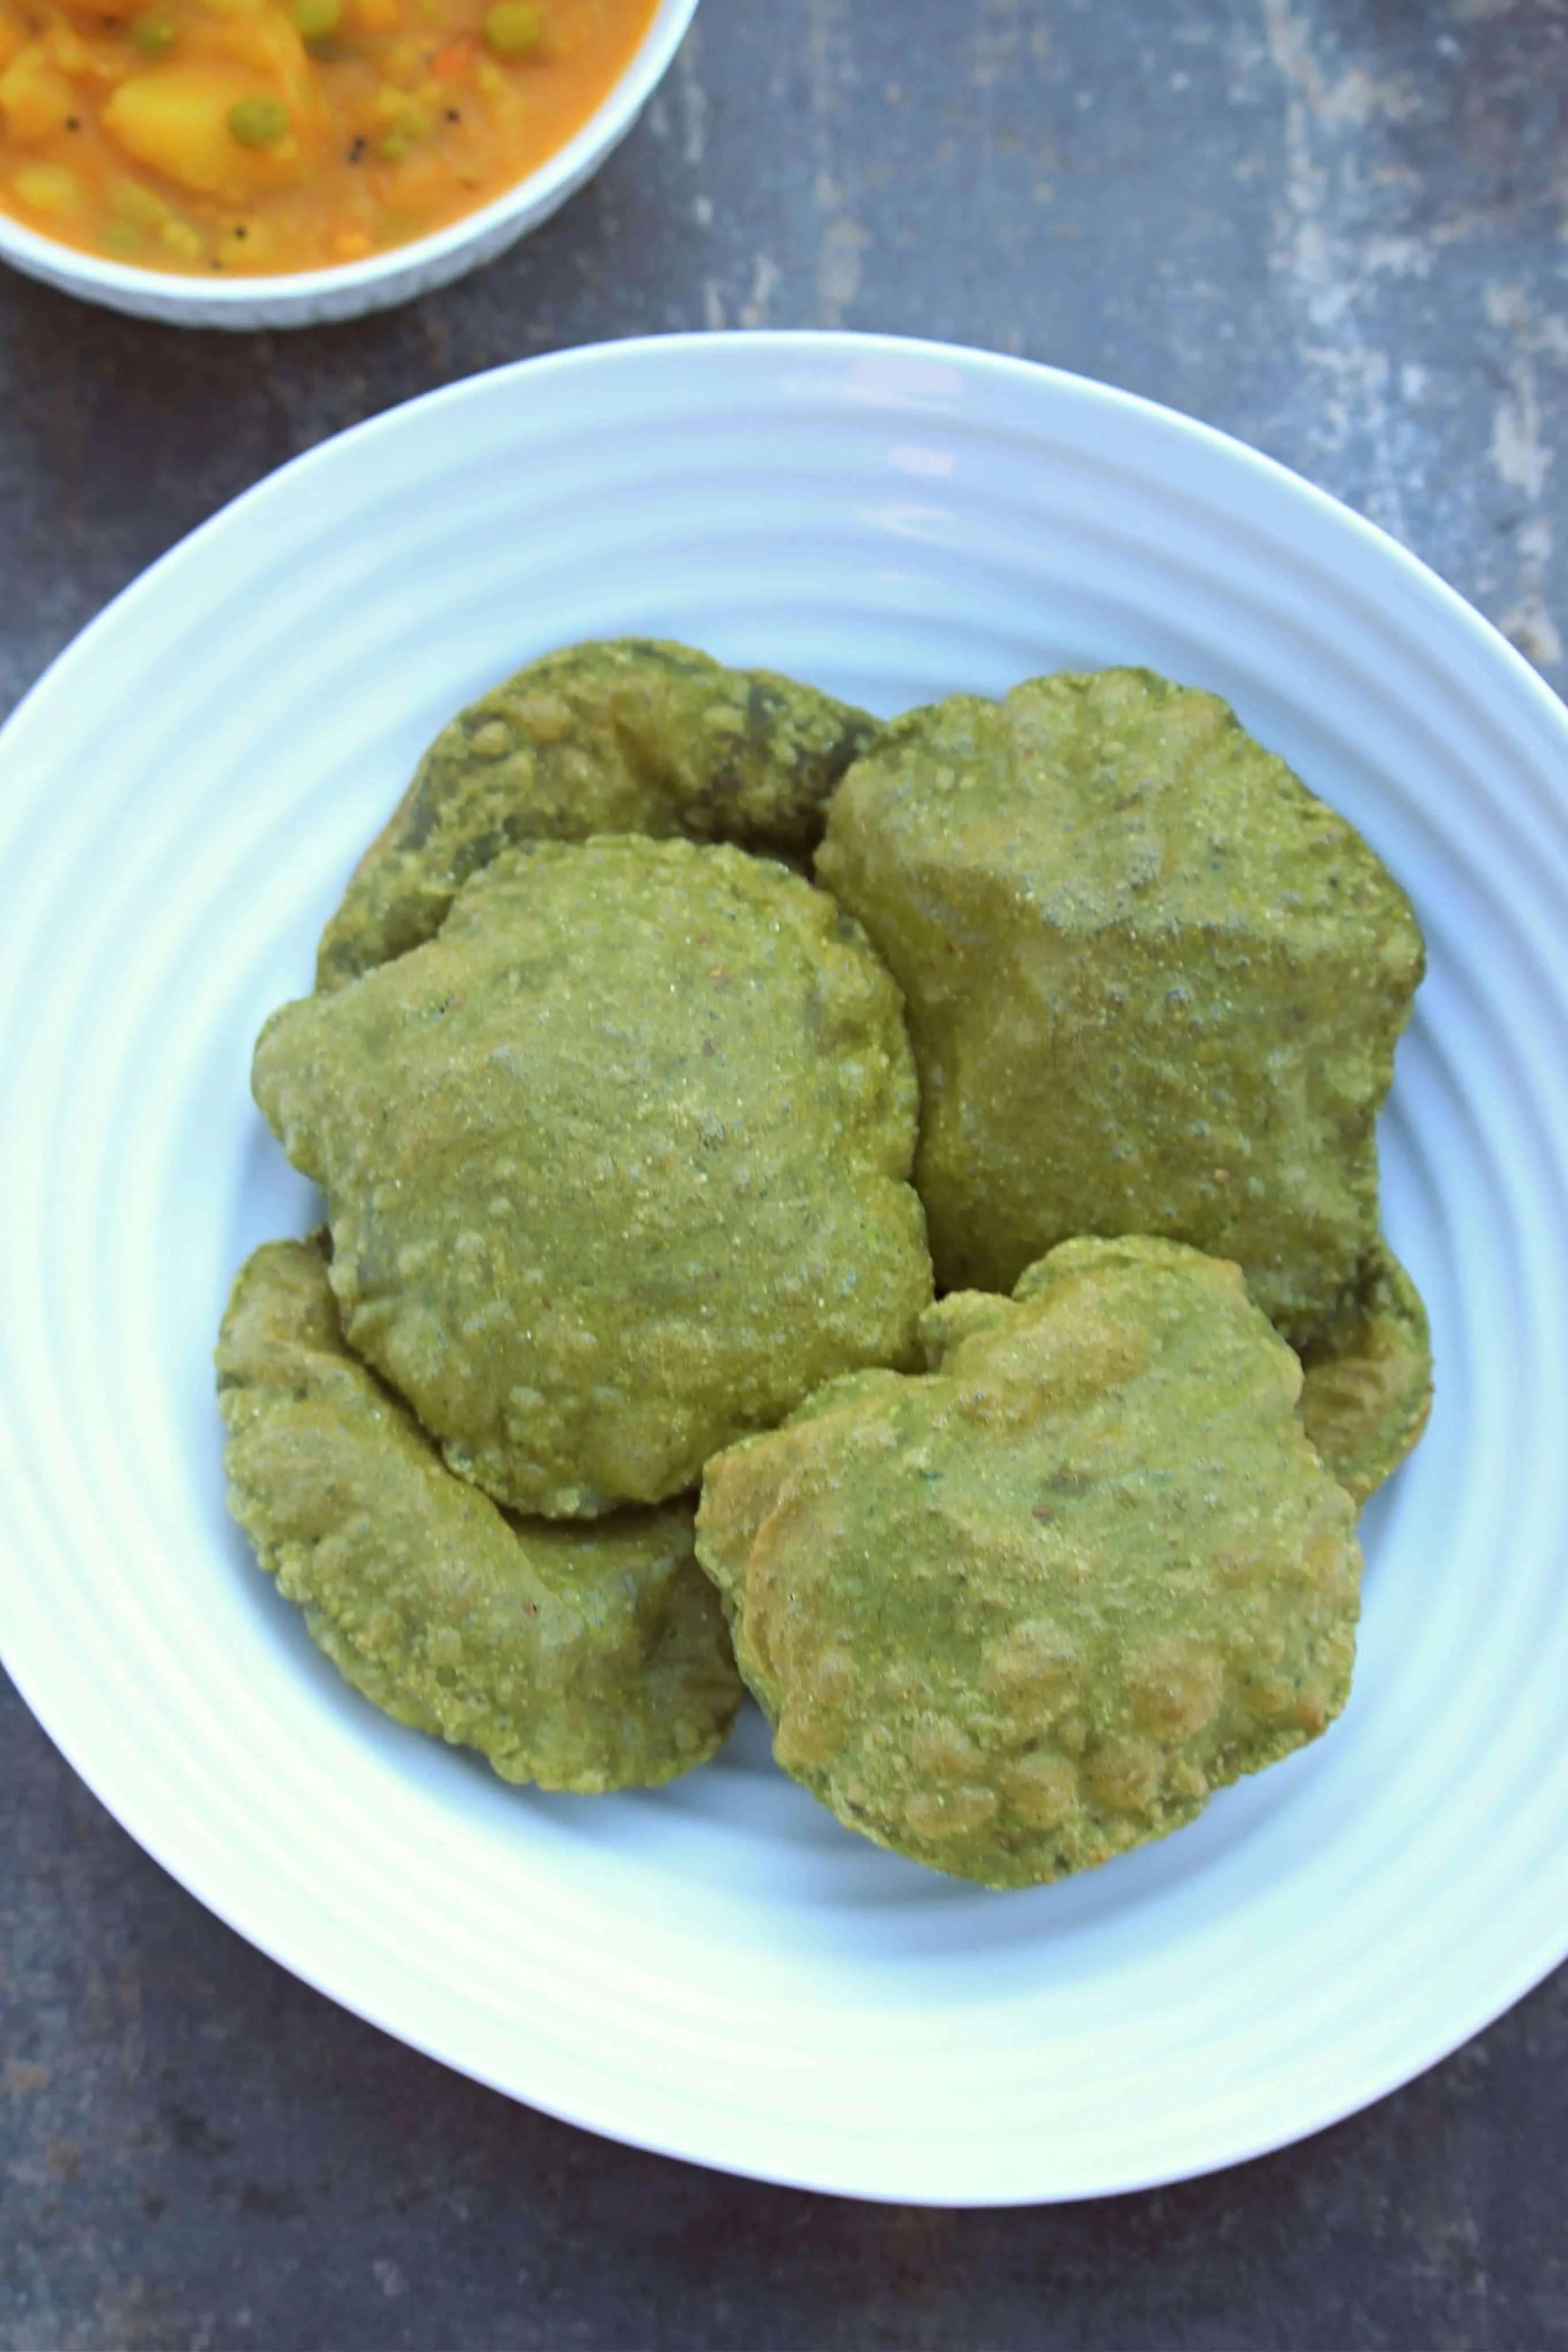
(718, 1970)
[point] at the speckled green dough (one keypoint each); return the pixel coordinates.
(1019, 1615)
(1153, 985)
(583, 1658)
(632, 736)
(616, 1168)
(1368, 1386)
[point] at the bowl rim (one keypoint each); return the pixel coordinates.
(554, 180)
(160, 1838)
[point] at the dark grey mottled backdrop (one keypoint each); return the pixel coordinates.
(1338, 229)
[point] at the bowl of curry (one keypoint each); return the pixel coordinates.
(248, 163)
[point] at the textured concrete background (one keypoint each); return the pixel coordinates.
(1340, 229)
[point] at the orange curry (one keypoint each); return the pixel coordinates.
(249, 136)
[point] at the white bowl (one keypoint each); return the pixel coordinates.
(320, 298)
(719, 1969)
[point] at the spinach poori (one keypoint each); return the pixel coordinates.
(583, 1658)
(616, 1166)
(989, 1228)
(1028, 1610)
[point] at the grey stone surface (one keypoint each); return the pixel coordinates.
(1338, 229)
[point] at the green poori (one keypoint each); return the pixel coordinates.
(583, 1658)
(1154, 985)
(616, 1166)
(1367, 1391)
(1019, 1614)
(630, 736)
